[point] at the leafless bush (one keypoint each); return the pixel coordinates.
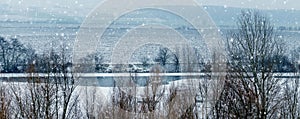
(5, 102)
(50, 96)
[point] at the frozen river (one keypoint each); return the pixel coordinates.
(108, 79)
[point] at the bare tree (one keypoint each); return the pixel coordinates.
(67, 84)
(145, 62)
(14, 55)
(291, 108)
(176, 62)
(50, 96)
(5, 102)
(163, 56)
(153, 92)
(250, 90)
(92, 63)
(296, 58)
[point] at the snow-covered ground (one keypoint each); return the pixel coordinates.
(99, 96)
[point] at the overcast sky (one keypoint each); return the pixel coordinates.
(261, 4)
(89, 4)
(81, 8)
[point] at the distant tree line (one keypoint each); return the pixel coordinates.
(290, 28)
(15, 57)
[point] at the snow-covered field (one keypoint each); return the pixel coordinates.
(101, 97)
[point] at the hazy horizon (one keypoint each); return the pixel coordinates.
(81, 8)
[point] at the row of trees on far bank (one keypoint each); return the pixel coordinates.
(15, 57)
